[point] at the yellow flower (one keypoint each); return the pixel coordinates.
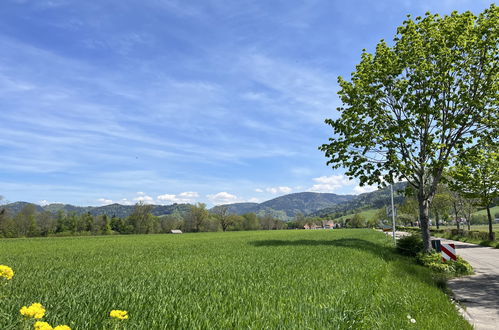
(39, 325)
(6, 272)
(117, 314)
(42, 326)
(35, 311)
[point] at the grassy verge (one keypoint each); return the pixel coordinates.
(446, 233)
(340, 279)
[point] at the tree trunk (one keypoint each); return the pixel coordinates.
(437, 220)
(424, 221)
(491, 232)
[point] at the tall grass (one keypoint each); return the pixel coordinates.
(344, 279)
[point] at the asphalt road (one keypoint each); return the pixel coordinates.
(479, 293)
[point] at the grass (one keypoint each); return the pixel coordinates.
(342, 279)
(367, 214)
(493, 211)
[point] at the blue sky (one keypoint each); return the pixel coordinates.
(179, 101)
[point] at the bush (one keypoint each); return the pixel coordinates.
(435, 262)
(410, 245)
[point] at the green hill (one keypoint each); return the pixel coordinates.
(288, 206)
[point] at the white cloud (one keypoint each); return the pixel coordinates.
(279, 190)
(364, 189)
(140, 193)
(184, 197)
(222, 198)
(105, 201)
(43, 202)
(189, 194)
(328, 184)
(258, 190)
(125, 201)
(145, 199)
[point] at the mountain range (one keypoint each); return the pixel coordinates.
(284, 207)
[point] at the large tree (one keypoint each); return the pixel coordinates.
(412, 106)
(476, 175)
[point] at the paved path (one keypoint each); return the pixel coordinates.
(479, 293)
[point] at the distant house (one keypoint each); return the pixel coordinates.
(326, 224)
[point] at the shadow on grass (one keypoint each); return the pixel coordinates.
(404, 265)
(382, 251)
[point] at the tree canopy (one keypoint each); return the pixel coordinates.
(410, 108)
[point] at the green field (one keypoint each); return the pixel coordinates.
(342, 279)
(483, 212)
(366, 214)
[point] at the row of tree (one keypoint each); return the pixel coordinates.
(30, 223)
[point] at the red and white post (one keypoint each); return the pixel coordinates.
(448, 251)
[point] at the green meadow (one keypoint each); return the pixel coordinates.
(293, 279)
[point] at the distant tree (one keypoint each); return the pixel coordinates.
(46, 223)
(61, 223)
(106, 225)
(408, 211)
(196, 217)
(267, 222)
(356, 221)
(171, 221)
(118, 225)
(141, 220)
(25, 221)
(223, 216)
(251, 221)
(441, 203)
(86, 223)
(236, 222)
(468, 208)
(300, 220)
(476, 175)
(457, 202)
(410, 108)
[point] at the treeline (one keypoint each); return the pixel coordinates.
(31, 223)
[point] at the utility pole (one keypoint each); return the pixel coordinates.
(393, 214)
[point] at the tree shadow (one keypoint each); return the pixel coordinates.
(477, 290)
(386, 252)
(462, 246)
(382, 251)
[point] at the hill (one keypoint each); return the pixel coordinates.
(371, 200)
(288, 206)
(284, 207)
(118, 210)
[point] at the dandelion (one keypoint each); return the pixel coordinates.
(413, 321)
(39, 325)
(62, 327)
(6, 272)
(117, 314)
(35, 311)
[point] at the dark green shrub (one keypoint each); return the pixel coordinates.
(410, 245)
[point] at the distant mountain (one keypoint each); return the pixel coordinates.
(288, 206)
(283, 207)
(372, 200)
(14, 208)
(118, 210)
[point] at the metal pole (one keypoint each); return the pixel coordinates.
(393, 215)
